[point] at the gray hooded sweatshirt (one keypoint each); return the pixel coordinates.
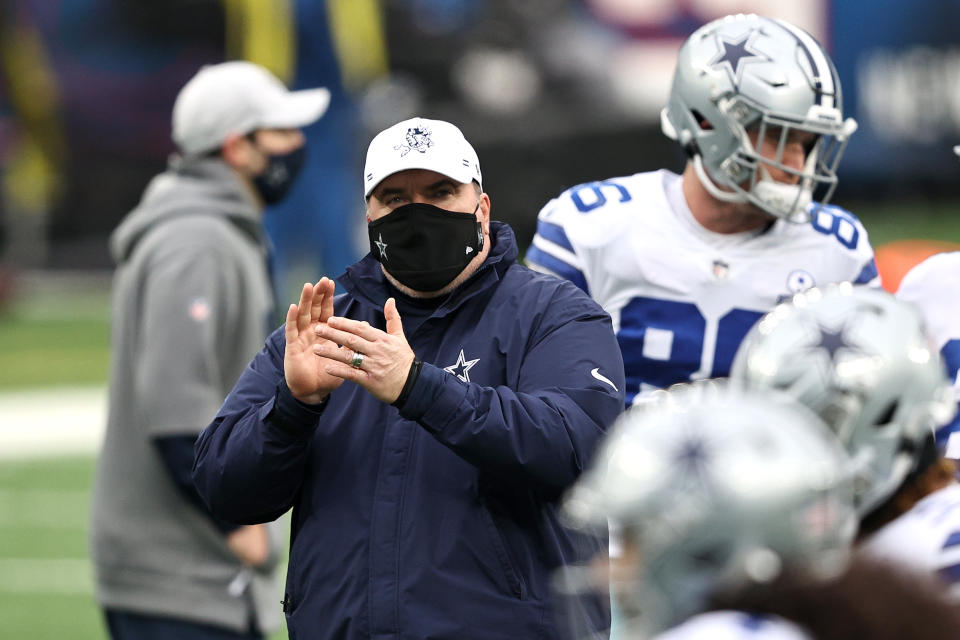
(192, 304)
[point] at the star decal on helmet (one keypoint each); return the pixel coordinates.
(734, 54)
(692, 459)
(832, 341)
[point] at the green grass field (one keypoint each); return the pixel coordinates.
(46, 589)
(59, 335)
(45, 584)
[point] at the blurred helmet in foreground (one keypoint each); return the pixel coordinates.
(860, 359)
(709, 493)
(748, 72)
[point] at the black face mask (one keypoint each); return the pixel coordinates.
(282, 169)
(423, 246)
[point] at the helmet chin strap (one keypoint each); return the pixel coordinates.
(789, 201)
(786, 201)
(713, 189)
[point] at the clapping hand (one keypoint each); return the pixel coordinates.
(379, 361)
(305, 372)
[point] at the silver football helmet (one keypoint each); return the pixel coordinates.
(861, 360)
(747, 73)
(712, 490)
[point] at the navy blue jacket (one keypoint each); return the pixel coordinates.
(438, 520)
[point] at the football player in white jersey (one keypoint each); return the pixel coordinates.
(861, 360)
(934, 287)
(685, 264)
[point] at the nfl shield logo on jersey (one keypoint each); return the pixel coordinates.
(720, 269)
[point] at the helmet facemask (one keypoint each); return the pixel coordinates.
(744, 176)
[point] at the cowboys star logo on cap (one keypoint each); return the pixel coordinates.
(417, 139)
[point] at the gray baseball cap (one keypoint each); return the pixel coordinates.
(239, 97)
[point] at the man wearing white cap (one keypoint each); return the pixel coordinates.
(192, 303)
(424, 424)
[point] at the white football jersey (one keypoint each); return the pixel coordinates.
(682, 297)
(925, 538)
(734, 625)
(934, 287)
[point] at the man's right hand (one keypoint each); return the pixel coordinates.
(304, 370)
(251, 544)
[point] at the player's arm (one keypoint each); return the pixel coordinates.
(932, 287)
(551, 250)
(946, 565)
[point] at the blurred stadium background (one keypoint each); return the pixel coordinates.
(552, 93)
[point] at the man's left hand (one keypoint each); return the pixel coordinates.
(386, 354)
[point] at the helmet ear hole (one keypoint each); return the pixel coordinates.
(887, 415)
(710, 556)
(701, 121)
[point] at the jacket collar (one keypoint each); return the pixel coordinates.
(364, 280)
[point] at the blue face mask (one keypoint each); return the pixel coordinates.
(282, 169)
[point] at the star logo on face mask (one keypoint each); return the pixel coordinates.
(382, 246)
(734, 54)
(461, 368)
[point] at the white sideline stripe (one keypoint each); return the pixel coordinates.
(43, 576)
(51, 422)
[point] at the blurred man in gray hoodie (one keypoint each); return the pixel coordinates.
(192, 304)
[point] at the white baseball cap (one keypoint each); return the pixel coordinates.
(239, 97)
(419, 143)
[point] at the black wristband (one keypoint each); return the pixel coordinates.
(412, 376)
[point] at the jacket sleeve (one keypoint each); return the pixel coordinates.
(176, 453)
(184, 310)
(570, 389)
(249, 462)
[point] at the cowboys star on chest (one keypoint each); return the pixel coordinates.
(461, 368)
